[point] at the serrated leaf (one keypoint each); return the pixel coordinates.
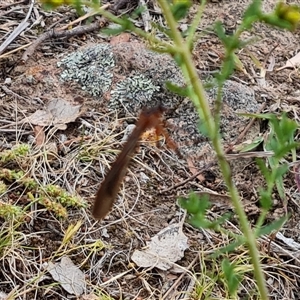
(265, 199)
(281, 171)
(274, 226)
(180, 9)
(231, 276)
(199, 221)
(264, 170)
(253, 9)
(230, 247)
(190, 204)
(195, 204)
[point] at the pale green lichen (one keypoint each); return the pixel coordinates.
(90, 68)
(133, 91)
(134, 77)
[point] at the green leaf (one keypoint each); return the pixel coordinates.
(180, 9)
(281, 171)
(254, 9)
(228, 67)
(232, 278)
(203, 129)
(287, 126)
(178, 59)
(288, 13)
(265, 199)
(197, 205)
(258, 116)
(280, 188)
(192, 204)
(264, 170)
(162, 29)
(274, 226)
(230, 247)
(248, 147)
(78, 6)
(137, 12)
(274, 20)
(125, 24)
(220, 31)
(199, 221)
(282, 150)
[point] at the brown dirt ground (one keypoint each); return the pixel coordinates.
(141, 210)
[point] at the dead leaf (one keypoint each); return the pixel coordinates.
(194, 170)
(58, 113)
(39, 135)
(291, 63)
(63, 112)
(68, 275)
(40, 118)
(121, 38)
(164, 250)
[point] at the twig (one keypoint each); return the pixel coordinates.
(24, 24)
(86, 16)
(7, 91)
(6, 54)
(268, 56)
(206, 167)
(8, 5)
(121, 3)
(9, 11)
(59, 34)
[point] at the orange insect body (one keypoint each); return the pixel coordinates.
(110, 186)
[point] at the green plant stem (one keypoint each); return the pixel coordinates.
(203, 105)
(130, 27)
(195, 23)
(199, 99)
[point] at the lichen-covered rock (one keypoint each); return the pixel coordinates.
(128, 75)
(237, 98)
(92, 68)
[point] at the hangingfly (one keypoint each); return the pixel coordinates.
(110, 186)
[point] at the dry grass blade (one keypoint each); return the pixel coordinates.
(22, 26)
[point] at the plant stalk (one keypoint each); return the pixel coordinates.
(203, 105)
